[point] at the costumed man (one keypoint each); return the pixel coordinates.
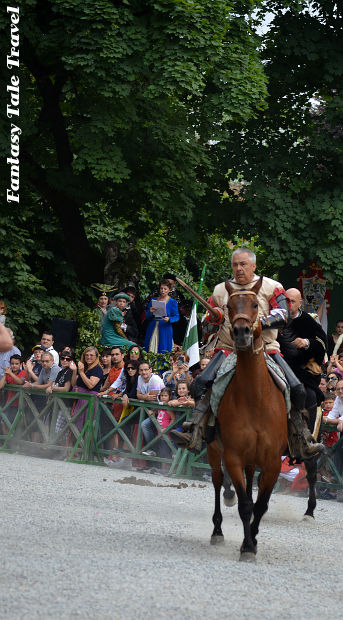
(303, 345)
(274, 312)
(101, 308)
(114, 327)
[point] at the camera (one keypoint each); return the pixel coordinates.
(181, 360)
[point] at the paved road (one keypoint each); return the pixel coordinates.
(80, 541)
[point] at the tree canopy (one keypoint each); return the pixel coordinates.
(137, 116)
(290, 156)
(123, 110)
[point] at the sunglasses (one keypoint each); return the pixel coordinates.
(65, 357)
(134, 351)
(131, 368)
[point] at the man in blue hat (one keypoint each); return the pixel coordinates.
(114, 327)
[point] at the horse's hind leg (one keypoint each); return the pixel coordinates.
(267, 482)
(217, 480)
(311, 475)
(229, 495)
(249, 476)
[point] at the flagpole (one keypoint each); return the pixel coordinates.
(201, 283)
(191, 343)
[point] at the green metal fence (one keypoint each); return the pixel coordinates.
(327, 461)
(103, 436)
(91, 444)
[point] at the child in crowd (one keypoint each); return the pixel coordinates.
(165, 417)
(329, 437)
(14, 375)
(183, 397)
(3, 311)
(33, 365)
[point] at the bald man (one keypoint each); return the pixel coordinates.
(6, 342)
(303, 344)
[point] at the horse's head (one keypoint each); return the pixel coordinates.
(243, 311)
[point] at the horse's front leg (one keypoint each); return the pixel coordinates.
(245, 508)
(311, 475)
(214, 460)
(266, 485)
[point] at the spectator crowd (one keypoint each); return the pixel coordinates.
(122, 371)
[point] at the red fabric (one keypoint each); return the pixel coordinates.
(218, 321)
(117, 409)
(114, 374)
(300, 481)
(11, 381)
(226, 351)
(329, 437)
(273, 301)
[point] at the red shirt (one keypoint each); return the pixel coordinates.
(11, 381)
(114, 374)
(329, 437)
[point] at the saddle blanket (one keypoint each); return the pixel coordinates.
(227, 370)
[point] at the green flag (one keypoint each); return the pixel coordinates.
(191, 343)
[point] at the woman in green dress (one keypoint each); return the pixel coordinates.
(113, 330)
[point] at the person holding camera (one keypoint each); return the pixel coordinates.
(178, 372)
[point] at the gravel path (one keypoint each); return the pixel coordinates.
(89, 542)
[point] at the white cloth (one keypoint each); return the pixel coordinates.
(117, 383)
(220, 297)
(54, 354)
(337, 409)
(155, 383)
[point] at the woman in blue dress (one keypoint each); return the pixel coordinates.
(159, 335)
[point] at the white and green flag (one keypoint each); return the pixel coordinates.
(190, 343)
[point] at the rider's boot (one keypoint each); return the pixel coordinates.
(194, 429)
(303, 438)
(300, 438)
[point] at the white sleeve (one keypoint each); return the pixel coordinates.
(335, 411)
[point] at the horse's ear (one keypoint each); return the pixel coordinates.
(258, 285)
(229, 287)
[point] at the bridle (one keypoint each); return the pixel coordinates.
(246, 317)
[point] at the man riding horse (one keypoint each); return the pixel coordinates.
(274, 313)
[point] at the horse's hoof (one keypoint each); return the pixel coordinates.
(230, 501)
(217, 540)
(247, 556)
(308, 519)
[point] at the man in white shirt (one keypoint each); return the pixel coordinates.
(148, 388)
(335, 416)
(47, 341)
(148, 385)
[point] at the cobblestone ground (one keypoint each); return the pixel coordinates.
(89, 542)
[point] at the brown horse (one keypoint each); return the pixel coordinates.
(252, 422)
